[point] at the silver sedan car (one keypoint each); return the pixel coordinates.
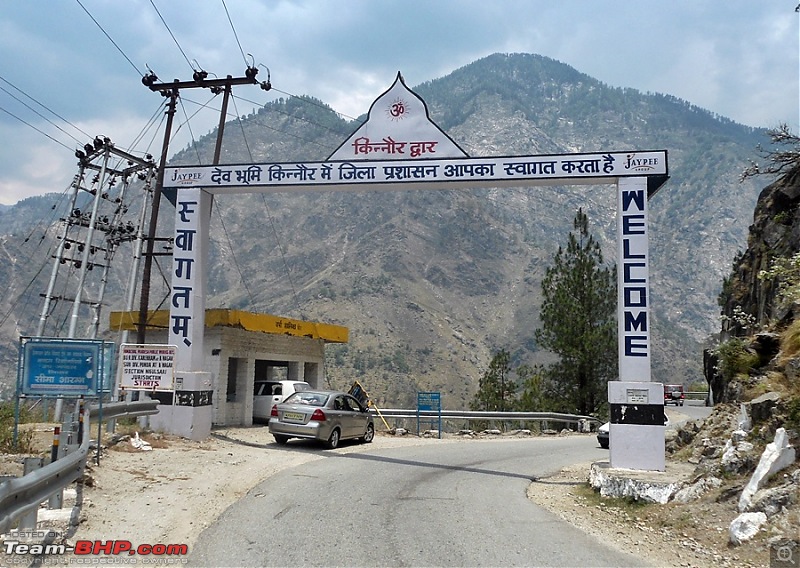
(327, 416)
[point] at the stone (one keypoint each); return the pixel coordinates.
(772, 501)
(777, 455)
(745, 526)
(696, 490)
(744, 419)
(761, 407)
(738, 436)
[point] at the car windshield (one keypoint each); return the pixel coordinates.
(308, 397)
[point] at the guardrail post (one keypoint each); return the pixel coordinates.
(29, 520)
(56, 499)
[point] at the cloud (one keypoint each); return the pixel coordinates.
(738, 59)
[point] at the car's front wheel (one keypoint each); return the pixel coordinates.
(333, 439)
(369, 435)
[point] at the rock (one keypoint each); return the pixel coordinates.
(772, 501)
(766, 345)
(761, 407)
(745, 526)
(744, 419)
(777, 456)
(738, 436)
(792, 370)
(697, 489)
(735, 457)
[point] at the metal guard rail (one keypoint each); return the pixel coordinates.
(484, 415)
(24, 494)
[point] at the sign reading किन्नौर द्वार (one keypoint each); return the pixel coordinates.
(147, 367)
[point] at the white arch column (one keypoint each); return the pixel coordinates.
(191, 412)
(636, 404)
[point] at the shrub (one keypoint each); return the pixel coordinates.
(24, 442)
(735, 358)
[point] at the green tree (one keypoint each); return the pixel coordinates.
(495, 388)
(533, 382)
(579, 322)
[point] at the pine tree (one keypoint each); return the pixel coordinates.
(578, 323)
(495, 389)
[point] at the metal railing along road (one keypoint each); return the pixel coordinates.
(23, 495)
(486, 415)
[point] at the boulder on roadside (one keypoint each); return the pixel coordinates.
(745, 526)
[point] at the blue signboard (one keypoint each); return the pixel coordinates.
(61, 367)
(429, 401)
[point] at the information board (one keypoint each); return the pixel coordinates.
(147, 367)
(60, 367)
(429, 402)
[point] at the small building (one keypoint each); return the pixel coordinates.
(242, 348)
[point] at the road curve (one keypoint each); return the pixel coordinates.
(450, 504)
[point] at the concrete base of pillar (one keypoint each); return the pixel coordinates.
(633, 446)
(192, 422)
(191, 414)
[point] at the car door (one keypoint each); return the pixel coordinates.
(358, 418)
(342, 415)
(276, 392)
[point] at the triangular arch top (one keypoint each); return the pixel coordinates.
(398, 127)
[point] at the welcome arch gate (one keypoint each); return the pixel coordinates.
(400, 148)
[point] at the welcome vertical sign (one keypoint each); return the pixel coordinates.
(636, 404)
(633, 283)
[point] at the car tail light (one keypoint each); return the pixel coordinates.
(318, 415)
(274, 411)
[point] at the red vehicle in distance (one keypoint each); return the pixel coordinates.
(673, 394)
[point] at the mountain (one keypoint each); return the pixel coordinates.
(432, 283)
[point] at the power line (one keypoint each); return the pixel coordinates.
(109, 38)
(171, 34)
(11, 114)
(9, 83)
(235, 35)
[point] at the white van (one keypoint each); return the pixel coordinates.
(268, 393)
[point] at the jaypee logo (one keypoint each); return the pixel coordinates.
(635, 164)
(186, 178)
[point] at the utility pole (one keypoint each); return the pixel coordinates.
(172, 91)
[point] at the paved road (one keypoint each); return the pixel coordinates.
(691, 410)
(450, 504)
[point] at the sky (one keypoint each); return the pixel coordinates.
(71, 69)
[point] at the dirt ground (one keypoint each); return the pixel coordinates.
(168, 494)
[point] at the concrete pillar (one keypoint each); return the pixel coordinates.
(244, 389)
(311, 374)
(191, 413)
(636, 432)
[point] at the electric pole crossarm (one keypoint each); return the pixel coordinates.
(206, 84)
